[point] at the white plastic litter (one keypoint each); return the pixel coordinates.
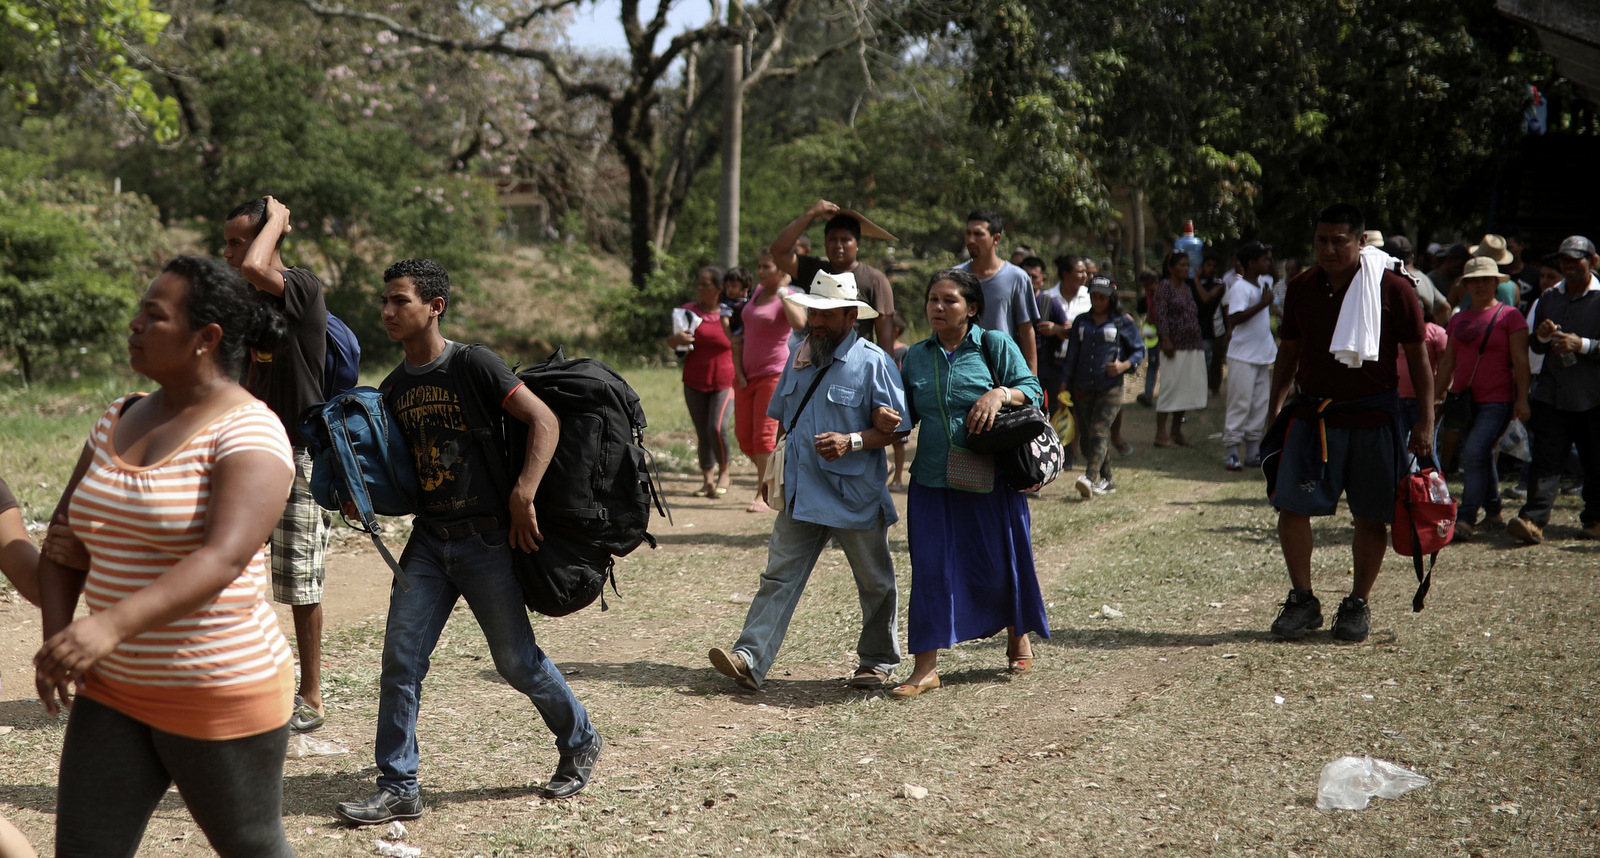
(1349, 783)
(303, 745)
(913, 792)
(395, 831)
(397, 850)
(1109, 612)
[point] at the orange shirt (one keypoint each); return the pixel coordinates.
(223, 672)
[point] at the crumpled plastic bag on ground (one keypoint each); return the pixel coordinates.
(397, 850)
(1348, 783)
(306, 745)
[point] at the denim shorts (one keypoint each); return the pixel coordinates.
(1360, 466)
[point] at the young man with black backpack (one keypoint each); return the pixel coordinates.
(461, 543)
(290, 380)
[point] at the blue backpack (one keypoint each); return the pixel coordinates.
(342, 367)
(359, 456)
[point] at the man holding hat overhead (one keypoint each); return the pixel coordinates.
(833, 485)
(1566, 396)
(841, 237)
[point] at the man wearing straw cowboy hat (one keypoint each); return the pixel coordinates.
(831, 484)
(841, 237)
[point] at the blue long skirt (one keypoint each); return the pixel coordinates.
(972, 569)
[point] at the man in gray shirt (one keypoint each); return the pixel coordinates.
(1008, 303)
(1566, 396)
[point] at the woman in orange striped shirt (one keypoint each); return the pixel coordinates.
(181, 673)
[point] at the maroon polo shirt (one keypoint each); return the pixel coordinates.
(1310, 311)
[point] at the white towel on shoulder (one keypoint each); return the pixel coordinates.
(1356, 334)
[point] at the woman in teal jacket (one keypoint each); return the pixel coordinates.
(971, 556)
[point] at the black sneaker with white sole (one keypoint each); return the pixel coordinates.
(1353, 620)
(1301, 614)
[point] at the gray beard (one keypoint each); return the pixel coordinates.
(822, 348)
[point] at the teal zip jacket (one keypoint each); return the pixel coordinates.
(958, 379)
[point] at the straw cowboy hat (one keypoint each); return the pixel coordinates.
(1492, 247)
(868, 228)
(831, 292)
(1482, 266)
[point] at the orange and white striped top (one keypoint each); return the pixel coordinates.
(223, 672)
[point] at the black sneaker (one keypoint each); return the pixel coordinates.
(573, 771)
(1353, 620)
(383, 806)
(1301, 613)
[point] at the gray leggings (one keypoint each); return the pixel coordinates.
(709, 413)
(114, 771)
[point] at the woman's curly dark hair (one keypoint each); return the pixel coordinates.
(218, 295)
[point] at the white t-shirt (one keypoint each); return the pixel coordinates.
(1252, 340)
(1078, 304)
(1008, 300)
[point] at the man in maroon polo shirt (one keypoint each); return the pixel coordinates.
(1357, 410)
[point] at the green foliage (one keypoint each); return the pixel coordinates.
(360, 192)
(53, 296)
(60, 48)
(1224, 110)
(638, 321)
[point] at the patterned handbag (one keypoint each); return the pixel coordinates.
(968, 471)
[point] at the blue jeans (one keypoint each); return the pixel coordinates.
(1480, 474)
(479, 568)
(791, 555)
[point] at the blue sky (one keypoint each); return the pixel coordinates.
(595, 25)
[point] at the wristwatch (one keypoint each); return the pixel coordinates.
(855, 442)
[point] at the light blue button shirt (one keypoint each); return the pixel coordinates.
(850, 492)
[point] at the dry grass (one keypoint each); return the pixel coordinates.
(1151, 733)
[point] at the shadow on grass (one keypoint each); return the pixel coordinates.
(317, 793)
(706, 681)
(27, 715)
(707, 537)
(40, 798)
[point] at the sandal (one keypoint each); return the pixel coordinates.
(1016, 664)
(758, 506)
(1124, 449)
(703, 492)
(906, 691)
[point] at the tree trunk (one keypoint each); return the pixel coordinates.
(1138, 231)
(732, 134)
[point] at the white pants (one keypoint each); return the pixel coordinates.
(1249, 391)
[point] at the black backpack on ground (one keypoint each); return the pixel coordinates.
(594, 501)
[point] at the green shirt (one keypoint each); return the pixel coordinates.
(958, 379)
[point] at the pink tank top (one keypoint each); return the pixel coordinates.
(766, 335)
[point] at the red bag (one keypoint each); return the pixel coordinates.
(1421, 527)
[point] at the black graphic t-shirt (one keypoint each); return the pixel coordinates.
(454, 472)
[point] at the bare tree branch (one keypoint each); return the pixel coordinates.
(494, 44)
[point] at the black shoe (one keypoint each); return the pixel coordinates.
(1301, 613)
(383, 806)
(574, 771)
(1353, 620)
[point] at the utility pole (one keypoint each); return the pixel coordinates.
(732, 142)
